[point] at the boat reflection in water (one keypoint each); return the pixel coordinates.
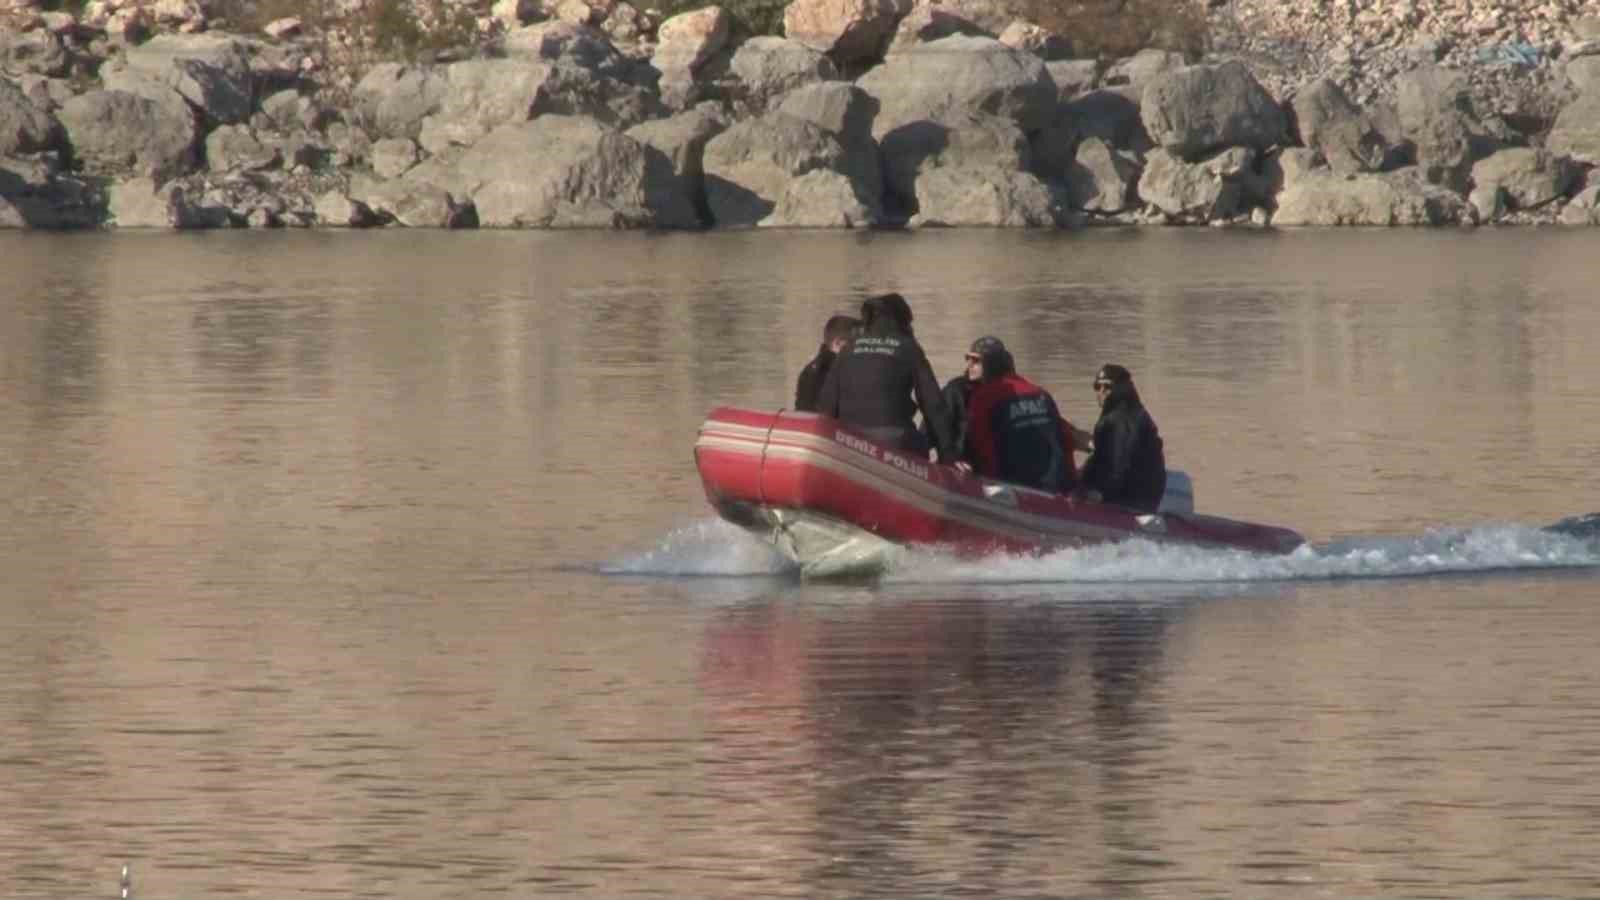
(896, 739)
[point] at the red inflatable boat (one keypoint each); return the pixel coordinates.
(834, 501)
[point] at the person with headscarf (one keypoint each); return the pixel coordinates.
(1015, 432)
(1128, 466)
(835, 335)
(872, 383)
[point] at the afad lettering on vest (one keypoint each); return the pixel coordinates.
(872, 450)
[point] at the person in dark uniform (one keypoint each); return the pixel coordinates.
(1129, 465)
(835, 335)
(871, 384)
(1015, 432)
(957, 391)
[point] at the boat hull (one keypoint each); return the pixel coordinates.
(811, 485)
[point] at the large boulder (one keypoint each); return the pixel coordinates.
(682, 139)
(413, 205)
(1112, 115)
(1526, 176)
(564, 172)
(1436, 115)
(235, 148)
(117, 133)
(929, 22)
(961, 74)
(1324, 197)
(1335, 126)
(1195, 111)
(1073, 76)
(684, 43)
(36, 52)
(847, 112)
(956, 197)
(749, 166)
(1576, 132)
(963, 140)
(847, 30)
(211, 72)
(1101, 178)
(142, 203)
(754, 74)
(24, 127)
(392, 100)
(555, 41)
(821, 198)
(1200, 192)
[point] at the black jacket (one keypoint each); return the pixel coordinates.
(1128, 465)
(809, 384)
(871, 384)
(957, 391)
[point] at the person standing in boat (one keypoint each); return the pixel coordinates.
(1015, 432)
(872, 382)
(1128, 466)
(835, 335)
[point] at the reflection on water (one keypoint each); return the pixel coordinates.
(376, 565)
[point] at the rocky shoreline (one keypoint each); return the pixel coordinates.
(864, 115)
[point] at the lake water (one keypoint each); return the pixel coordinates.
(376, 565)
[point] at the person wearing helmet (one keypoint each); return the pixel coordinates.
(872, 383)
(1015, 432)
(1129, 464)
(957, 395)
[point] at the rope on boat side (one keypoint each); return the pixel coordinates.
(761, 483)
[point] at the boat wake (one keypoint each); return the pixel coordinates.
(713, 547)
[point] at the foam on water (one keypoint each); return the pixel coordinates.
(715, 548)
(707, 547)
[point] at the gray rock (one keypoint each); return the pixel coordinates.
(1488, 202)
(682, 140)
(212, 72)
(1142, 68)
(1436, 115)
(579, 45)
(748, 167)
(1334, 126)
(961, 75)
(235, 148)
(1054, 147)
(965, 140)
(413, 205)
(1194, 192)
(336, 209)
(760, 70)
(141, 203)
(957, 197)
(928, 22)
(392, 99)
(1194, 111)
(113, 133)
(391, 157)
(24, 127)
(1391, 198)
(848, 112)
(1073, 76)
(1112, 115)
(1101, 179)
(1528, 177)
(1583, 208)
(821, 198)
(565, 172)
(1583, 73)
(1576, 132)
(36, 52)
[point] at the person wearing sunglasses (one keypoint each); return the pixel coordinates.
(835, 335)
(1128, 466)
(1015, 432)
(957, 396)
(873, 382)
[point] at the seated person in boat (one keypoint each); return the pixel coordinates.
(873, 380)
(1128, 466)
(1014, 432)
(957, 394)
(835, 335)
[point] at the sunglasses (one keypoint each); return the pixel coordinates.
(973, 357)
(1102, 385)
